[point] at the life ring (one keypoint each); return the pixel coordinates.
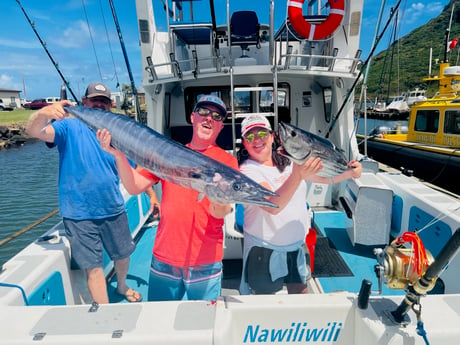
(311, 31)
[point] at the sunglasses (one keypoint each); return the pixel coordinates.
(215, 115)
(261, 134)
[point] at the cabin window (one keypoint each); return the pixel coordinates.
(242, 100)
(327, 99)
(452, 122)
(266, 99)
(144, 31)
(267, 102)
(427, 121)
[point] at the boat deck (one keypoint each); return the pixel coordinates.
(339, 266)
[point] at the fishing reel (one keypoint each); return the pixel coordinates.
(400, 266)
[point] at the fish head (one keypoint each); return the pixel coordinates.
(233, 187)
(294, 145)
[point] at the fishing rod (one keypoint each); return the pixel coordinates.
(125, 55)
(47, 52)
(374, 47)
(27, 228)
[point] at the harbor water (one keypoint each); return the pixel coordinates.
(28, 190)
(373, 123)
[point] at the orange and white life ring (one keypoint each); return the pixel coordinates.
(311, 31)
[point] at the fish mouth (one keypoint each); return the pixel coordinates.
(260, 201)
(280, 150)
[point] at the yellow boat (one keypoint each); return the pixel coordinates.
(430, 147)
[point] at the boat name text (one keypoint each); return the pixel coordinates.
(426, 138)
(452, 140)
(297, 332)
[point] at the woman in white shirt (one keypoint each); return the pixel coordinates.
(273, 252)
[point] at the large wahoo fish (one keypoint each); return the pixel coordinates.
(174, 162)
(298, 145)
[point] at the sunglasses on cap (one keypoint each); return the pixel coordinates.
(215, 115)
(261, 134)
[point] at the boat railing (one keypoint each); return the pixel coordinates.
(185, 68)
(191, 68)
(326, 63)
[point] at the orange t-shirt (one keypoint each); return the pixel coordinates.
(187, 234)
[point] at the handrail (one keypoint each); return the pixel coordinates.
(27, 228)
(195, 72)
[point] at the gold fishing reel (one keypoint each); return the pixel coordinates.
(402, 266)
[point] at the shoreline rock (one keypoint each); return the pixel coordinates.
(13, 136)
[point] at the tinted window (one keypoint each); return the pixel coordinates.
(427, 121)
(452, 122)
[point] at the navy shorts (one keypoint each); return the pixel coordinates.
(258, 274)
(88, 238)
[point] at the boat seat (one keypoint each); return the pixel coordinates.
(244, 30)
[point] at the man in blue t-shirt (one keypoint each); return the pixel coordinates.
(90, 201)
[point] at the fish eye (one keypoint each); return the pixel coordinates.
(293, 134)
(236, 186)
(194, 175)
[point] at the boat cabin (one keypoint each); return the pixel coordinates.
(436, 123)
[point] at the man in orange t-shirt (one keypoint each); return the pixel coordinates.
(188, 248)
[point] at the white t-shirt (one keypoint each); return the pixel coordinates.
(292, 223)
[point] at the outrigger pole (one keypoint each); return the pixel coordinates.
(365, 64)
(48, 53)
(125, 55)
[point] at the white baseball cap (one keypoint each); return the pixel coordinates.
(254, 121)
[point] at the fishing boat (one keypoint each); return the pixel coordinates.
(397, 109)
(384, 261)
(416, 95)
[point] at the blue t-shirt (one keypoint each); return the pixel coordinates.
(88, 176)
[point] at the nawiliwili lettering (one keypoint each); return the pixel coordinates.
(298, 332)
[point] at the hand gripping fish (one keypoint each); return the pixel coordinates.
(298, 145)
(173, 161)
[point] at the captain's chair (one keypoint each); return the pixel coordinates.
(244, 30)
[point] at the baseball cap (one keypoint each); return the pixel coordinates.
(97, 89)
(253, 121)
(213, 101)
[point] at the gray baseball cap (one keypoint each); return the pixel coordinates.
(97, 89)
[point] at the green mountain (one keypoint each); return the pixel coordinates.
(404, 64)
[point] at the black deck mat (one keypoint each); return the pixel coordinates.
(328, 262)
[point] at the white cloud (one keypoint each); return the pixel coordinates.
(75, 36)
(19, 44)
(6, 82)
(418, 12)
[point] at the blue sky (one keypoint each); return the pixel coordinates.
(63, 25)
